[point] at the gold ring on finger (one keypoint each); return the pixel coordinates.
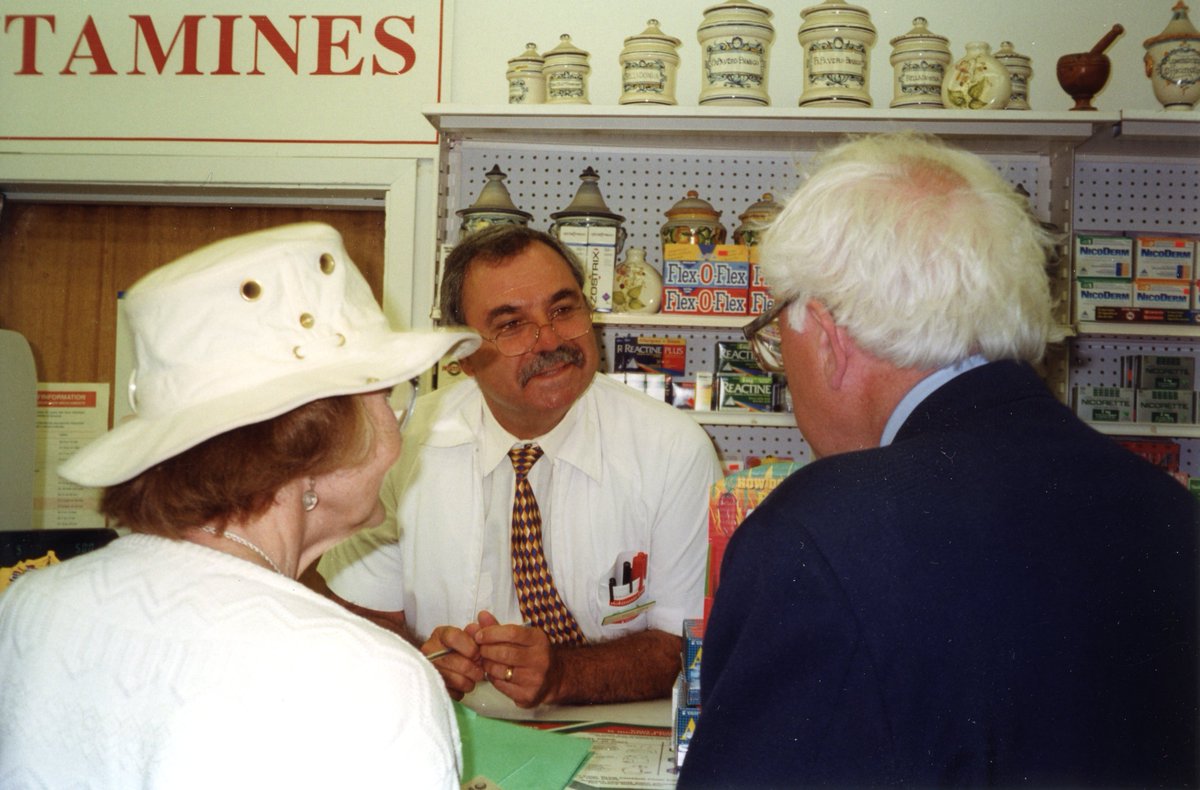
(508, 674)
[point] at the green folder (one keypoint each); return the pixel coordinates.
(515, 757)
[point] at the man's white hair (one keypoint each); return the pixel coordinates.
(921, 251)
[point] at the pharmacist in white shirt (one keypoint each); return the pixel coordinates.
(621, 486)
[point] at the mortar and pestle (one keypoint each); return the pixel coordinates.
(1083, 74)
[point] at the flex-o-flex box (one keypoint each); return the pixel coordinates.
(706, 279)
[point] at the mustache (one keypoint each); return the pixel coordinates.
(572, 355)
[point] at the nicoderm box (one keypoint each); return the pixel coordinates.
(1104, 256)
(1093, 292)
(1105, 404)
(1163, 294)
(1164, 258)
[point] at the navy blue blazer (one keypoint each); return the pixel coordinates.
(1002, 596)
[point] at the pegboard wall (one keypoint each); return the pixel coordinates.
(641, 185)
(1118, 196)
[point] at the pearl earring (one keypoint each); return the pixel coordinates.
(309, 500)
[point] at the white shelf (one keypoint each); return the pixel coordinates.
(1153, 429)
(1160, 123)
(732, 322)
(1134, 329)
(754, 128)
(747, 419)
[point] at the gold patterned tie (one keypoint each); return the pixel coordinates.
(540, 602)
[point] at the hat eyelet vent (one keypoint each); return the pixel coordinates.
(251, 290)
(307, 321)
(328, 263)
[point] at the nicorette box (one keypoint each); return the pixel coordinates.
(1172, 407)
(706, 279)
(1104, 404)
(1158, 372)
(1162, 294)
(1093, 292)
(1104, 256)
(1164, 258)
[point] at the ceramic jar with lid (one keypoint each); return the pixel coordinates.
(735, 47)
(638, 286)
(837, 38)
(526, 82)
(566, 72)
(648, 65)
(755, 220)
(595, 234)
(977, 81)
(1172, 61)
(1019, 73)
(919, 61)
(494, 206)
(693, 220)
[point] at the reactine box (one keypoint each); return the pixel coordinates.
(1164, 258)
(650, 354)
(735, 356)
(706, 279)
(1104, 256)
(738, 392)
(1104, 404)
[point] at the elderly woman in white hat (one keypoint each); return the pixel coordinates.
(186, 654)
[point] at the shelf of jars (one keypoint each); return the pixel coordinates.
(730, 322)
(757, 128)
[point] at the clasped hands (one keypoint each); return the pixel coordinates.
(517, 659)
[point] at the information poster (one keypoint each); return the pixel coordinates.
(68, 417)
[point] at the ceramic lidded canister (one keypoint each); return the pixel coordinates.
(755, 220)
(837, 38)
(588, 210)
(494, 206)
(566, 73)
(1172, 61)
(526, 82)
(1019, 73)
(977, 81)
(648, 65)
(693, 220)
(638, 286)
(735, 47)
(919, 61)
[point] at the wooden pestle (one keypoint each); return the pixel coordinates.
(1108, 39)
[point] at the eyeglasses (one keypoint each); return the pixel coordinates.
(766, 339)
(406, 393)
(568, 322)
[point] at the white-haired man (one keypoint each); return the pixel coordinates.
(969, 586)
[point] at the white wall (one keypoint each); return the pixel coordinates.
(487, 33)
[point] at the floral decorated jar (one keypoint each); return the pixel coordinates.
(755, 220)
(638, 286)
(735, 47)
(693, 221)
(977, 82)
(837, 38)
(919, 60)
(648, 65)
(494, 206)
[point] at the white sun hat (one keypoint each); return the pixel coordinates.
(246, 329)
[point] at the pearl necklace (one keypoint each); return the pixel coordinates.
(238, 539)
